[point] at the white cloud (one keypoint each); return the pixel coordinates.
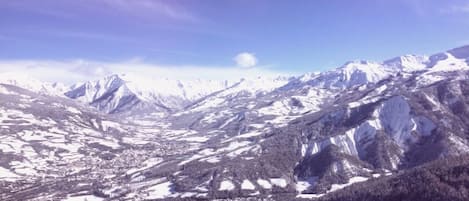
(73, 71)
(245, 60)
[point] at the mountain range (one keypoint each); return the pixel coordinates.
(332, 135)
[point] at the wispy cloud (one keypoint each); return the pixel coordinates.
(173, 52)
(456, 8)
(424, 8)
(419, 7)
(85, 35)
(73, 71)
(150, 8)
(45, 8)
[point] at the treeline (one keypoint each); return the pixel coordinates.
(441, 180)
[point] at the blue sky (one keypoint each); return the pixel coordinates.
(291, 36)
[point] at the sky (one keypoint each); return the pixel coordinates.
(221, 38)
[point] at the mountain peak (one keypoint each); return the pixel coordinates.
(128, 90)
(27, 82)
(357, 63)
(407, 63)
(460, 52)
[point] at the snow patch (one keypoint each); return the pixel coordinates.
(7, 175)
(226, 185)
(83, 198)
(73, 110)
(264, 183)
(351, 181)
(280, 182)
(247, 185)
(160, 191)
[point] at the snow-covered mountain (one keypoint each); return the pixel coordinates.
(408, 63)
(27, 82)
(136, 94)
(356, 73)
(130, 93)
(281, 139)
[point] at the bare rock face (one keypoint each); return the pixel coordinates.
(280, 139)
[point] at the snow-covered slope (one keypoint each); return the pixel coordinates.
(27, 82)
(351, 74)
(124, 93)
(448, 62)
(356, 73)
(408, 63)
(127, 92)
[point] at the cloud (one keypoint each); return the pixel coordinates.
(418, 6)
(462, 8)
(150, 8)
(425, 8)
(245, 60)
(44, 7)
(143, 9)
(75, 71)
(84, 35)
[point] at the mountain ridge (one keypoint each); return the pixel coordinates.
(305, 137)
